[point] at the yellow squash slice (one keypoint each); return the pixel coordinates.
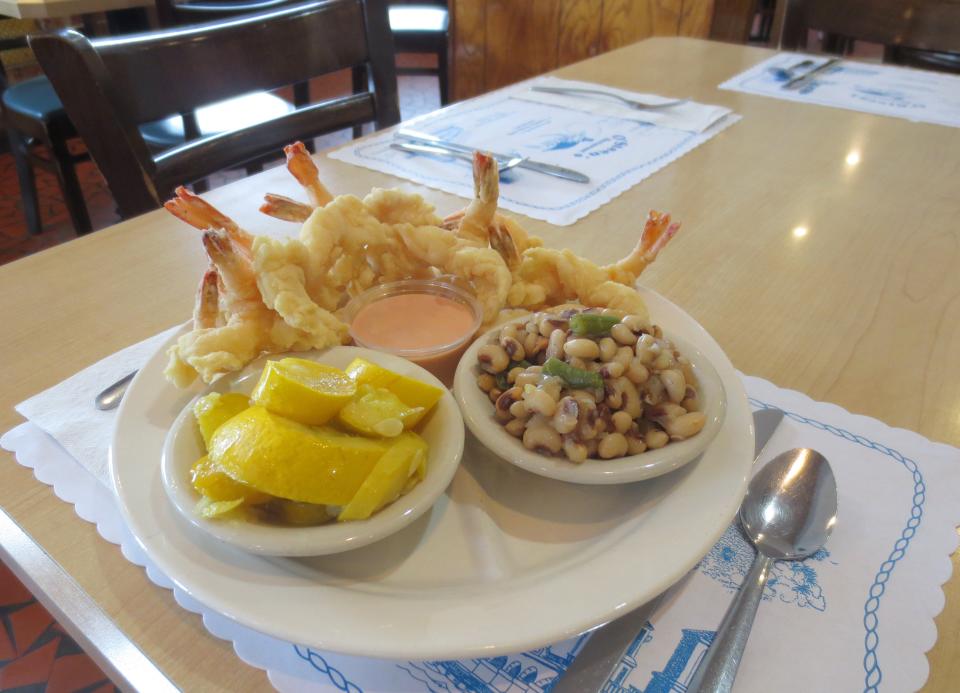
(305, 391)
(405, 460)
(411, 392)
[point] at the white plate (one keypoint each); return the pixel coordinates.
(478, 414)
(442, 429)
(504, 562)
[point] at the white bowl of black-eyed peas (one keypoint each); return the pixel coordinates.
(589, 396)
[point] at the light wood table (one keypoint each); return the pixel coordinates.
(861, 310)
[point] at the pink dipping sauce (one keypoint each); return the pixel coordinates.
(424, 326)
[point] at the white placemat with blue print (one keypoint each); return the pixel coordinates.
(899, 92)
(610, 144)
(857, 616)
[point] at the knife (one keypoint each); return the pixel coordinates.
(539, 166)
(606, 647)
(800, 80)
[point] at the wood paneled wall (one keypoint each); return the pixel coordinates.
(498, 42)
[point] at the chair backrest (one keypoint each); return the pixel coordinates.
(932, 25)
(179, 12)
(111, 86)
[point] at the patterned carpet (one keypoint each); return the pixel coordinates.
(36, 655)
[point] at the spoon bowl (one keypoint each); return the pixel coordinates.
(791, 505)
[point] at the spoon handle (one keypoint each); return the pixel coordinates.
(718, 668)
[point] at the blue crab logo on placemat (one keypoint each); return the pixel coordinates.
(884, 97)
(566, 140)
(792, 582)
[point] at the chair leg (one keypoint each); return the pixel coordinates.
(301, 94)
(442, 75)
(70, 186)
(28, 184)
(360, 84)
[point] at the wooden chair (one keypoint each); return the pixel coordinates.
(110, 86)
(422, 26)
(910, 27)
(38, 130)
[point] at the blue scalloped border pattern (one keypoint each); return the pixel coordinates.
(873, 675)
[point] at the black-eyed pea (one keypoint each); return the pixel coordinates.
(636, 323)
(687, 369)
(511, 330)
(591, 447)
(581, 348)
(519, 410)
(623, 356)
(612, 445)
(612, 312)
(647, 349)
(552, 385)
(622, 334)
(531, 326)
(614, 369)
(577, 362)
(685, 426)
(622, 421)
(674, 383)
(516, 427)
(530, 376)
(631, 401)
(493, 358)
(505, 402)
(635, 445)
(513, 348)
(566, 415)
(549, 324)
(653, 390)
(539, 402)
(608, 349)
(513, 373)
(494, 394)
(656, 438)
(530, 343)
(543, 439)
(555, 344)
(637, 373)
(486, 382)
(614, 393)
(657, 332)
(663, 361)
(575, 451)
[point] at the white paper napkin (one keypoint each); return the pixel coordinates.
(689, 116)
(66, 410)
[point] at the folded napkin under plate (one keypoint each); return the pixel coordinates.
(863, 608)
(614, 145)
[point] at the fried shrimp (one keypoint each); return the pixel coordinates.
(262, 294)
(305, 171)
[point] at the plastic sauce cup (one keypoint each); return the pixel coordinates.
(428, 321)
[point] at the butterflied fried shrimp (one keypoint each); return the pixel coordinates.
(399, 207)
(305, 171)
(202, 215)
(250, 329)
(285, 208)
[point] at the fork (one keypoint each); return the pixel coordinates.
(638, 105)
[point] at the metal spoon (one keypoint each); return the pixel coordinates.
(110, 397)
(789, 511)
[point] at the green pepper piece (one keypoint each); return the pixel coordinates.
(574, 377)
(592, 324)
